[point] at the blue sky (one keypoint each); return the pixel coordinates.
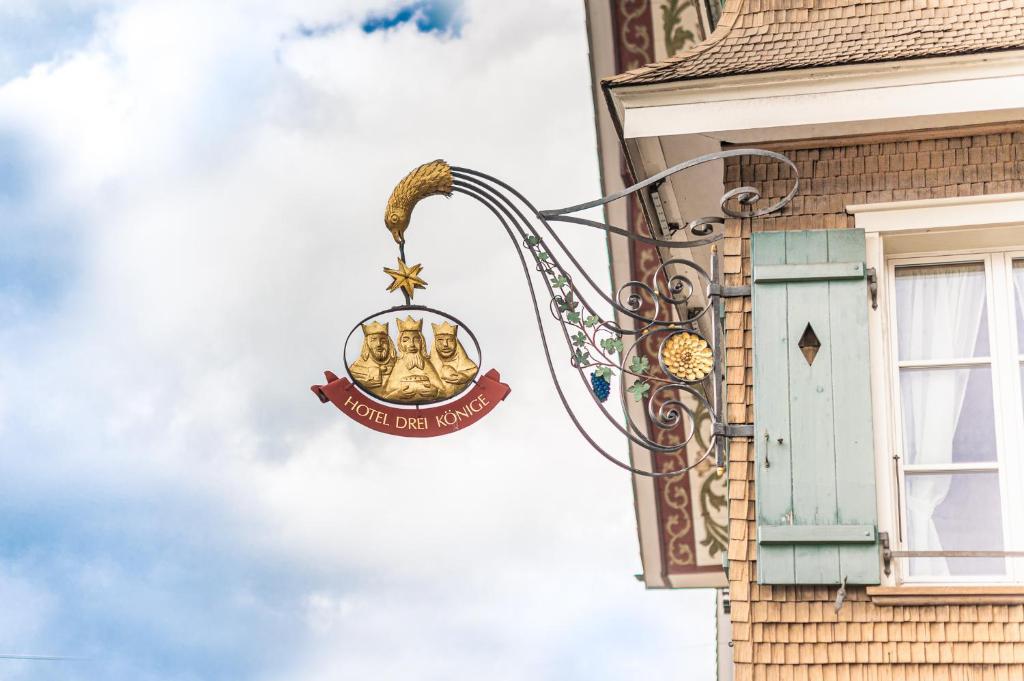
(190, 195)
(37, 32)
(441, 18)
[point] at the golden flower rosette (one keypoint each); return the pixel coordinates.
(687, 357)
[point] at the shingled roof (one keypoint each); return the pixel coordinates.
(756, 36)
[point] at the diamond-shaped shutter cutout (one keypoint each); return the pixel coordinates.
(809, 344)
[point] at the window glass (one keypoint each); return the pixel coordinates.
(955, 512)
(948, 416)
(941, 311)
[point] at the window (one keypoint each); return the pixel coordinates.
(955, 364)
(947, 351)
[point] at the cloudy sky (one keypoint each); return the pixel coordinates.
(191, 196)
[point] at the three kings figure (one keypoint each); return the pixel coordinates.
(403, 371)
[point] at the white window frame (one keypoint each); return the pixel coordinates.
(936, 230)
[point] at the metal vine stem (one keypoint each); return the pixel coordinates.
(596, 343)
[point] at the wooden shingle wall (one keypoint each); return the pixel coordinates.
(793, 632)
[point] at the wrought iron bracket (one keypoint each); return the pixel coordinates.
(658, 309)
(717, 289)
(873, 287)
(734, 429)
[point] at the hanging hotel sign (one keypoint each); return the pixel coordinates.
(655, 340)
(398, 382)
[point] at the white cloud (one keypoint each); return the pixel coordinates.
(226, 181)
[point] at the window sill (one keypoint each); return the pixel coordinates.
(946, 595)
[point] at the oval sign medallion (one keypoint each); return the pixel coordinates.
(413, 356)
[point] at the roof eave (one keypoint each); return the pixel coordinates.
(777, 99)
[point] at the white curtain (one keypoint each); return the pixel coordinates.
(939, 311)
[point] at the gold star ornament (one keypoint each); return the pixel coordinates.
(405, 278)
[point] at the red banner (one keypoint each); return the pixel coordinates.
(414, 421)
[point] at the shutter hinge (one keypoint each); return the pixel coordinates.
(734, 429)
(873, 287)
(886, 552)
(728, 291)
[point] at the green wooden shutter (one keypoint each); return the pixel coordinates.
(815, 478)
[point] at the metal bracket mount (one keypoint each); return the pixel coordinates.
(734, 429)
(728, 291)
(883, 538)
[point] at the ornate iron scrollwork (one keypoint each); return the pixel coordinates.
(683, 382)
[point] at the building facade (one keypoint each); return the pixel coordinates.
(874, 520)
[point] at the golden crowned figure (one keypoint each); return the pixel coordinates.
(450, 360)
(413, 378)
(376, 359)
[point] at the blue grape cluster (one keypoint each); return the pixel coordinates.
(601, 386)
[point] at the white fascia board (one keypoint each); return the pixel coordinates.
(958, 212)
(840, 99)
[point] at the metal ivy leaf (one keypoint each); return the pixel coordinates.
(592, 320)
(559, 281)
(582, 357)
(639, 390)
(543, 256)
(580, 339)
(611, 344)
(639, 364)
(573, 317)
(567, 303)
(604, 372)
(532, 240)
